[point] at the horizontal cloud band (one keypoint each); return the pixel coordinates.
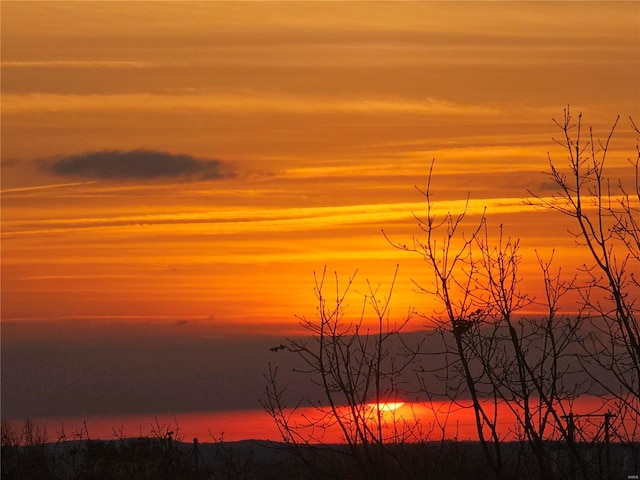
(248, 221)
(137, 165)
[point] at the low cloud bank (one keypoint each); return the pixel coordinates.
(145, 165)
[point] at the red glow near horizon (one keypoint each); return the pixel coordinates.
(433, 420)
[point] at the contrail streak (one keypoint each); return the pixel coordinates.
(44, 187)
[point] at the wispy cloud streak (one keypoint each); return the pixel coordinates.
(234, 221)
(45, 187)
(240, 102)
(74, 64)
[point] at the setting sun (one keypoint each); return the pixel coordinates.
(387, 407)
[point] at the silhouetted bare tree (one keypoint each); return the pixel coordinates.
(518, 371)
(498, 360)
(360, 367)
(604, 212)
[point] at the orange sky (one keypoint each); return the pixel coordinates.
(322, 115)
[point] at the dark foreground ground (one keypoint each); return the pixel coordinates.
(163, 457)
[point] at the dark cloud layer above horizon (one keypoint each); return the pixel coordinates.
(146, 165)
(108, 366)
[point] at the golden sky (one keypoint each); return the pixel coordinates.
(286, 135)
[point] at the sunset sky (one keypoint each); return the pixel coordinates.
(174, 173)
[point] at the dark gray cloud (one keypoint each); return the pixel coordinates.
(84, 366)
(138, 165)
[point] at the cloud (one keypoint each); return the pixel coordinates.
(234, 221)
(42, 187)
(241, 102)
(74, 64)
(138, 165)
